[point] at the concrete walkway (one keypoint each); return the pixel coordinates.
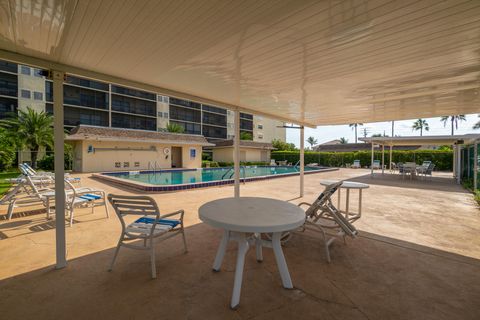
(417, 258)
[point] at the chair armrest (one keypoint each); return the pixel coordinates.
(304, 203)
(181, 212)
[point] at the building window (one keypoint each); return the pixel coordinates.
(120, 120)
(214, 132)
(117, 164)
(38, 95)
(160, 114)
(133, 105)
(134, 93)
(185, 114)
(8, 85)
(193, 153)
(260, 126)
(85, 97)
(126, 164)
(213, 109)
(165, 114)
(75, 116)
(49, 91)
(191, 128)
(87, 83)
(8, 66)
(185, 103)
(215, 119)
(25, 94)
(260, 136)
(246, 124)
(25, 70)
(7, 106)
(38, 73)
(136, 164)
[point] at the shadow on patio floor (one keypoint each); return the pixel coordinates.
(372, 277)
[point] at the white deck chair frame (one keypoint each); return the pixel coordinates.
(322, 216)
(74, 199)
(146, 207)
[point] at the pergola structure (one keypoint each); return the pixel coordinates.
(453, 140)
(304, 62)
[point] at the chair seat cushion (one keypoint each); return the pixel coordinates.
(168, 222)
(90, 197)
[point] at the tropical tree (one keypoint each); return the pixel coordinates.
(454, 119)
(31, 130)
(421, 125)
(7, 150)
(312, 141)
(175, 128)
(246, 135)
(343, 140)
(354, 126)
(283, 146)
(477, 125)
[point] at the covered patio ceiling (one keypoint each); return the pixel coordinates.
(308, 62)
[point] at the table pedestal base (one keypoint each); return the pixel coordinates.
(243, 246)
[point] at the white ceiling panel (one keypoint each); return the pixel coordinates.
(315, 62)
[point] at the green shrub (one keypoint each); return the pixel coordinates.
(442, 159)
(47, 162)
(212, 164)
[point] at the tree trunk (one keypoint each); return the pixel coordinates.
(33, 157)
(452, 125)
(421, 131)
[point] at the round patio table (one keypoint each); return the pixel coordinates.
(251, 215)
(349, 185)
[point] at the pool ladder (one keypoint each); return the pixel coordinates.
(152, 166)
(233, 172)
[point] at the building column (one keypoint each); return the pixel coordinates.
(236, 154)
(372, 158)
(302, 160)
(59, 135)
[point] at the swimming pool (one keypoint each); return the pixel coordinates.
(180, 179)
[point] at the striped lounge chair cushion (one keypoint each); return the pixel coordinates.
(144, 225)
(90, 197)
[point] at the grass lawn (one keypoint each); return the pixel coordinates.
(4, 185)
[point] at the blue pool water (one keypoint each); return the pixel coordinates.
(176, 177)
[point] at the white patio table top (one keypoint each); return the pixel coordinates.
(239, 216)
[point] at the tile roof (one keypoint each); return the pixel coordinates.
(245, 143)
(84, 132)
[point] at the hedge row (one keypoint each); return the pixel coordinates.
(442, 159)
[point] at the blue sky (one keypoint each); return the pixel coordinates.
(402, 128)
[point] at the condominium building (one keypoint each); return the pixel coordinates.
(103, 104)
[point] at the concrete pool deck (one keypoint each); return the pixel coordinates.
(418, 257)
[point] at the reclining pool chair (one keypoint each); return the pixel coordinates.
(150, 226)
(322, 216)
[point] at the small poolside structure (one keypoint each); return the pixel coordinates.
(464, 148)
(250, 151)
(99, 149)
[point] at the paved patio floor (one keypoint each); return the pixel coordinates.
(417, 258)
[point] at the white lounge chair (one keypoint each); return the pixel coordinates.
(356, 164)
(322, 216)
(150, 226)
(376, 164)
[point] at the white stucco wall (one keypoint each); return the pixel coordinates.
(104, 160)
(246, 154)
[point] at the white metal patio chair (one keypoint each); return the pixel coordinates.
(83, 198)
(322, 216)
(150, 226)
(356, 164)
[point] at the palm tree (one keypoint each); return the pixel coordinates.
(175, 128)
(30, 129)
(477, 125)
(343, 140)
(454, 119)
(312, 141)
(354, 127)
(421, 125)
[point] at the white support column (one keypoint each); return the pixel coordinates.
(371, 162)
(236, 154)
(383, 158)
(459, 164)
(454, 164)
(475, 164)
(391, 158)
(302, 160)
(59, 133)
